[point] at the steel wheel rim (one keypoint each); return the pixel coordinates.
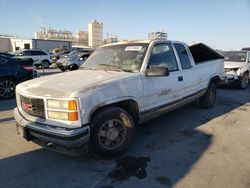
(7, 89)
(112, 134)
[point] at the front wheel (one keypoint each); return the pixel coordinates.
(7, 88)
(208, 100)
(244, 81)
(112, 132)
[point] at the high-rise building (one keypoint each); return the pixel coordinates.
(95, 31)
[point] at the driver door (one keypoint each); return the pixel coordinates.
(162, 90)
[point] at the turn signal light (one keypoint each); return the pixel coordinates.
(72, 116)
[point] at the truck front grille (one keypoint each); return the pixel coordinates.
(33, 106)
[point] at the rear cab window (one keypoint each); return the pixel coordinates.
(183, 56)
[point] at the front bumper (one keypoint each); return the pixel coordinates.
(62, 66)
(67, 138)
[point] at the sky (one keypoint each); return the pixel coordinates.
(221, 24)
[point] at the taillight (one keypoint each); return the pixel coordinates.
(28, 68)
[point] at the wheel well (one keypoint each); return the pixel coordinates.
(215, 79)
(129, 106)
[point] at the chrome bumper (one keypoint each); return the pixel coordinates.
(68, 138)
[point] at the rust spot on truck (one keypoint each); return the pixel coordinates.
(125, 120)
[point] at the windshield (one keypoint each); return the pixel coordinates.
(235, 56)
(124, 57)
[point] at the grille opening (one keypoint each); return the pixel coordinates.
(33, 106)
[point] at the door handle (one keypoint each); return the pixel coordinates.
(180, 78)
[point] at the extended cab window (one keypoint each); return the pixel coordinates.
(183, 55)
(163, 56)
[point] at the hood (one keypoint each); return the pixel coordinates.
(61, 85)
(231, 64)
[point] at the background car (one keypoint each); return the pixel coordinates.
(12, 72)
(7, 54)
(73, 61)
(59, 55)
(41, 58)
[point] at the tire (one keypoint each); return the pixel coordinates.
(112, 132)
(7, 88)
(208, 100)
(73, 67)
(243, 84)
(45, 64)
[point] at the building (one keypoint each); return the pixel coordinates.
(53, 34)
(12, 44)
(110, 39)
(158, 35)
(82, 37)
(95, 31)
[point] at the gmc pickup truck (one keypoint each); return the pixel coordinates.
(120, 86)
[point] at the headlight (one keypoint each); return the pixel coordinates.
(62, 104)
(62, 109)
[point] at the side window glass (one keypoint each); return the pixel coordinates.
(26, 53)
(33, 53)
(183, 55)
(163, 56)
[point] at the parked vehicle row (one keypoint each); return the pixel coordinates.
(118, 87)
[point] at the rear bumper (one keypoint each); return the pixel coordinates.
(67, 138)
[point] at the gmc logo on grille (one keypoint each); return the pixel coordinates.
(26, 107)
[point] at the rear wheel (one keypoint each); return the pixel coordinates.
(45, 64)
(244, 81)
(7, 88)
(208, 100)
(112, 132)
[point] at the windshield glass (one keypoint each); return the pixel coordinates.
(235, 56)
(123, 57)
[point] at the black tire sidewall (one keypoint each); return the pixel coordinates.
(206, 101)
(8, 79)
(102, 117)
(45, 62)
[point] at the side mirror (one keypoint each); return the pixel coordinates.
(157, 71)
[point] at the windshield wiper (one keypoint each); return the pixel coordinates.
(117, 68)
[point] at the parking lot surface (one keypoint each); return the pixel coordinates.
(189, 147)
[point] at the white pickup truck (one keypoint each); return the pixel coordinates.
(237, 68)
(120, 86)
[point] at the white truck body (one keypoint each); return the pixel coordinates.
(95, 89)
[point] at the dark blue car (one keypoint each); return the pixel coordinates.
(12, 72)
